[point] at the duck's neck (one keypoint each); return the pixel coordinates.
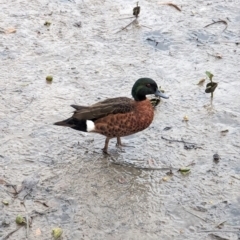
(141, 98)
(139, 95)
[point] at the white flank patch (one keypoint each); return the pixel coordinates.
(90, 125)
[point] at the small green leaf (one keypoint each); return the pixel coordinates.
(20, 219)
(57, 232)
(184, 171)
(210, 75)
(5, 202)
(49, 78)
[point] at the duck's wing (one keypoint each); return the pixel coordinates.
(104, 108)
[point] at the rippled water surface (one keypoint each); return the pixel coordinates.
(62, 177)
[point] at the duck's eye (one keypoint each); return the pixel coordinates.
(148, 85)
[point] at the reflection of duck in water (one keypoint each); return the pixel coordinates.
(117, 117)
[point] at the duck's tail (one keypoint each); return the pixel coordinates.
(80, 125)
(65, 123)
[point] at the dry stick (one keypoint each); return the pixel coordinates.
(43, 203)
(191, 164)
(125, 18)
(175, 140)
(207, 231)
(172, 5)
(9, 234)
(127, 25)
(36, 213)
(194, 215)
(145, 26)
(139, 167)
(27, 218)
(216, 56)
(235, 177)
(220, 21)
(230, 42)
(220, 224)
(136, 11)
(162, 169)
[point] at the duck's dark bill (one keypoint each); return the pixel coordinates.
(160, 94)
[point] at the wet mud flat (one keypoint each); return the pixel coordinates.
(166, 183)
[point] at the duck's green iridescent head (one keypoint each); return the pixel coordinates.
(145, 86)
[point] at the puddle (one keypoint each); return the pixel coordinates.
(158, 40)
(202, 37)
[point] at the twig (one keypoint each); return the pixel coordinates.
(36, 213)
(27, 218)
(156, 168)
(236, 42)
(195, 215)
(175, 140)
(43, 203)
(207, 231)
(172, 5)
(120, 19)
(127, 26)
(191, 164)
(220, 225)
(235, 177)
(143, 168)
(9, 234)
(14, 188)
(216, 55)
(145, 26)
(220, 21)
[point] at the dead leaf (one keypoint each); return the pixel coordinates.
(122, 180)
(151, 162)
(185, 118)
(172, 5)
(216, 55)
(38, 232)
(165, 179)
(2, 182)
(200, 83)
(10, 30)
(210, 87)
(225, 131)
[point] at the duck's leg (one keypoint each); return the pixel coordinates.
(106, 145)
(119, 143)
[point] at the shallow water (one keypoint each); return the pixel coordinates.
(64, 174)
